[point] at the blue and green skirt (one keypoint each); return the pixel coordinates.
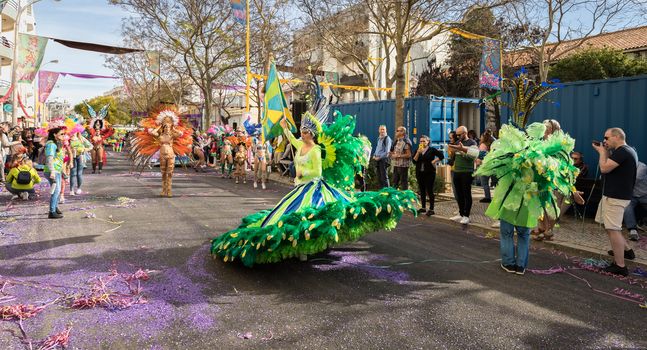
(308, 220)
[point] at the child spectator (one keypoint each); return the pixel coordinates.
(21, 179)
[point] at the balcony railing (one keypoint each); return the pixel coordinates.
(11, 3)
(6, 42)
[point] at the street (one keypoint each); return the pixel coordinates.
(425, 285)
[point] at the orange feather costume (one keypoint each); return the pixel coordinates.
(163, 131)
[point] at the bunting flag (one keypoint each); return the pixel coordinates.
(490, 72)
(238, 9)
(153, 62)
(46, 82)
(87, 76)
(115, 50)
(31, 49)
(275, 107)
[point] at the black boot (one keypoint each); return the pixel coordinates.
(94, 168)
(100, 167)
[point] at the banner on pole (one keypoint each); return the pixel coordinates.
(153, 62)
(490, 72)
(238, 9)
(31, 49)
(46, 82)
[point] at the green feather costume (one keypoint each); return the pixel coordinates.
(322, 210)
(530, 169)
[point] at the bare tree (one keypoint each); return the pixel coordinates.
(396, 26)
(144, 88)
(565, 25)
(200, 31)
(342, 34)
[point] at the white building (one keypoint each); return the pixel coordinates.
(27, 92)
(312, 53)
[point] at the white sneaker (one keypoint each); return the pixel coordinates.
(255, 184)
(464, 220)
(14, 197)
(496, 224)
(456, 218)
(24, 195)
(633, 235)
(78, 191)
(72, 193)
(263, 185)
(61, 200)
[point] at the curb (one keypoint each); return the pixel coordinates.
(485, 230)
(562, 246)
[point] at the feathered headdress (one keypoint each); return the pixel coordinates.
(167, 113)
(97, 117)
(310, 123)
(146, 144)
(73, 126)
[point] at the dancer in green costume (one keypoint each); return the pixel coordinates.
(322, 210)
(529, 169)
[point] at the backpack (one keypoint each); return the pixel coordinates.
(23, 178)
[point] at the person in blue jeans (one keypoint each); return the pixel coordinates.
(514, 260)
(54, 157)
(79, 146)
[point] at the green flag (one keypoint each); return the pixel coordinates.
(31, 49)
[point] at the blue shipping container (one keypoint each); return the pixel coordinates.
(586, 109)
(423, 115)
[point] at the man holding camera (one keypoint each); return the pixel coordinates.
(618, 164)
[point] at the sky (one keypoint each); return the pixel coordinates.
(80, 20)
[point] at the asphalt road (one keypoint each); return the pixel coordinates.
(425, 285)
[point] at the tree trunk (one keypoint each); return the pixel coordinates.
(399, 88)
(208, 104)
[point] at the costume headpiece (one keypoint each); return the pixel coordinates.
(167, 113)
(310, 123)
(97, 117)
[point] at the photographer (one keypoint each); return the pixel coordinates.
(618, 164)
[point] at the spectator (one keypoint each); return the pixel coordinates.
(6, 144)
(472, 136)
(400, 156)
(465, 152)
(364, 160)
(450, 161)
(381, 157)
(639, 196)
(578, 161)
(544, 229)
(619, 175)
(54, 157)
(484, 147)
(426, 159)
(22, 178)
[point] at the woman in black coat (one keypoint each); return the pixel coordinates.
(425, 160)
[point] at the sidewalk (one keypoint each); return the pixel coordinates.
(584, 236)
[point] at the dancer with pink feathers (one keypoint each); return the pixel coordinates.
(79, 146)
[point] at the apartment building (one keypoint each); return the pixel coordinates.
(12, 18)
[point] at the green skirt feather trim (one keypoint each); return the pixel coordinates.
(312, 230)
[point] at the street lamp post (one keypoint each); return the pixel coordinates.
(14, 74)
